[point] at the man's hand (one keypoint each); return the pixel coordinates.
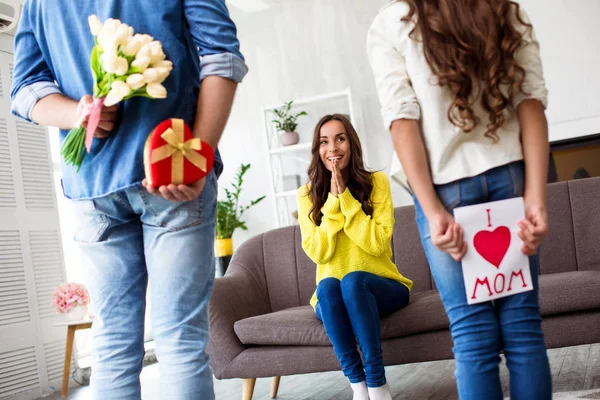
(447, 235)
(108, 117)
(177, 193)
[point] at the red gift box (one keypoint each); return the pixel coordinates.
(173, 155)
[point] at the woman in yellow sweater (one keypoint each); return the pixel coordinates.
(346, 217)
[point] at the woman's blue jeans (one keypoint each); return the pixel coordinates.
(350, 310)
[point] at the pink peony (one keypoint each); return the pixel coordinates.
(68, 296)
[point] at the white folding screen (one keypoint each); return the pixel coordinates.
(31, 259)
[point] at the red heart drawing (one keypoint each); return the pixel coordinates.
(493, 245)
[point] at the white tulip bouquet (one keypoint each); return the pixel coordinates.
(124, 65)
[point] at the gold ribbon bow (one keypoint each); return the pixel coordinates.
(178, 149)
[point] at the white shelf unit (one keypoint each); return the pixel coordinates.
(292, 148)
(291, 162)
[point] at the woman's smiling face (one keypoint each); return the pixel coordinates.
(334, 145)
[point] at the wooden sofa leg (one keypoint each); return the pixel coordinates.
(275, 386)
(248, 389)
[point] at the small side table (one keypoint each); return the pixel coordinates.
(72, 327)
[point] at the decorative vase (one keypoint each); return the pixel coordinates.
(77, 313)
(288, 138)
(223, 253)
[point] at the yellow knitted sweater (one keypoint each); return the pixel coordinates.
(349, 240)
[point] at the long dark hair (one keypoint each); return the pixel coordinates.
(319, 177)
(471, 45)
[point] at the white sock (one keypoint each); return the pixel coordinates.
(360, 391)
(380, 393)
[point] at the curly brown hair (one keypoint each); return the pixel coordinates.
(470, 46)
(319, 177)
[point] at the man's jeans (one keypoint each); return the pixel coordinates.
(481, 331)
(350, 310)
(129, 239)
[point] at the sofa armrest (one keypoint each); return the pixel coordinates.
(240, 294)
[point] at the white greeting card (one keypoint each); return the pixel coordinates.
(494, 265)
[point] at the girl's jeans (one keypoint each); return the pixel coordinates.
(481, 331)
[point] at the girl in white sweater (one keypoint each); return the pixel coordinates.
(463, 94)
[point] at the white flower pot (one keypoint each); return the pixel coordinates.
(77, 313)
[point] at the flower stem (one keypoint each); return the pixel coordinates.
(73, 148)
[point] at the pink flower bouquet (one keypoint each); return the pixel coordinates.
(69, 296)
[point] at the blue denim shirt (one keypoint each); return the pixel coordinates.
(52, 52)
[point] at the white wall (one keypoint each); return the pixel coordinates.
(296, 49)
(569, 36)
(302, 48)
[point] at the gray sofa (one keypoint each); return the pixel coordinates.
(262, 326)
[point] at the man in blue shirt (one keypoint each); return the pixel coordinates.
(133, 235)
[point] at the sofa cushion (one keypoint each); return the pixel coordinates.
(569, 291)
(293, 326)
(300, 326)
(559, 293)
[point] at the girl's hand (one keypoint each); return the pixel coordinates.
(447, 235)
(534, 228)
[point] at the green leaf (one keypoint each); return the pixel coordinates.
(94, 68)
(287, 121)
(134, 70)
(141, 92)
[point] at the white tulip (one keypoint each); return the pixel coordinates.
(155, 46)
(110, 61)
(163, 64)
(121, 88)
(95, 24)
(132, 47)
(157, 56)
(131, 31)
(156, 91)
(107, 35)
(122, 67)
(118, 91)
(145, 39)
(141, 63)
(106, 41)
(136, 81)
(155, 75)
(122, 35)
(151, 75)
(110, 27)
(112, 49)
(144, 52)
(111, 99)
(163, 73)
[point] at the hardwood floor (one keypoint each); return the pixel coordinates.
(575, 374)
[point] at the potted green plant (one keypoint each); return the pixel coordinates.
(286, 123)
(229, 218)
